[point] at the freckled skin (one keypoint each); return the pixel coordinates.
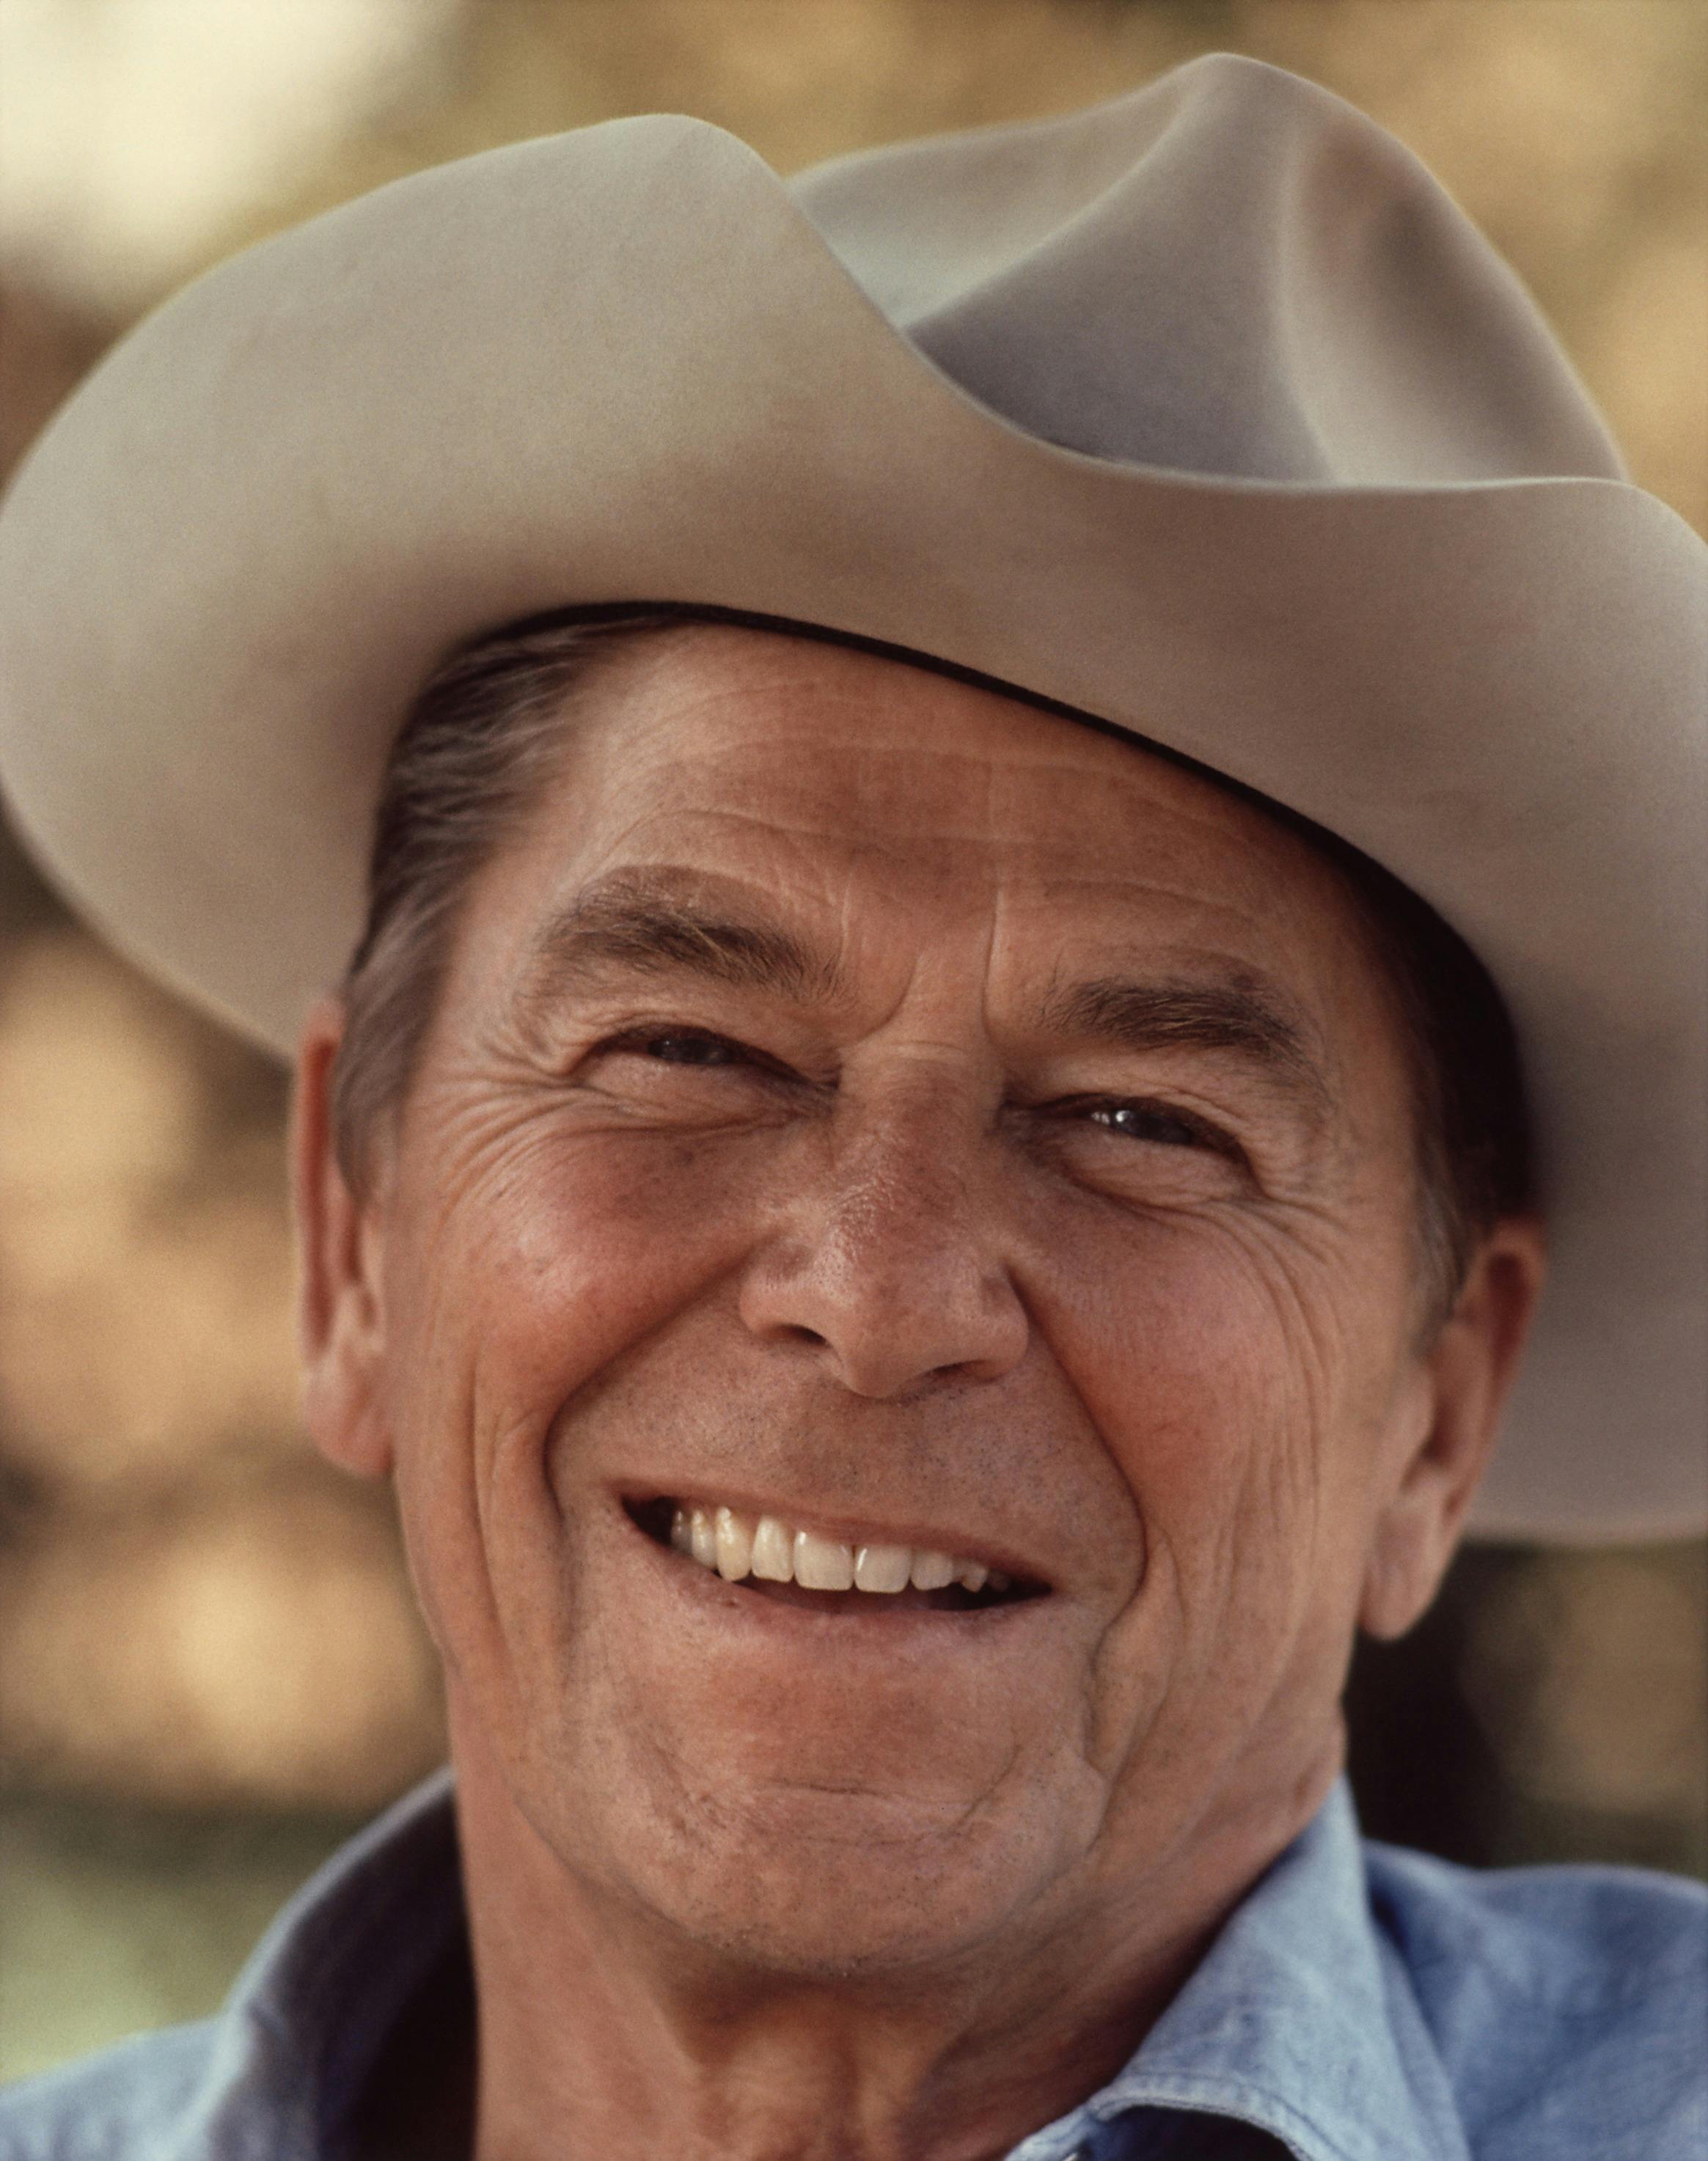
(888, 1260)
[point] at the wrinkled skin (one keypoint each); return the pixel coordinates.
(896, 1240)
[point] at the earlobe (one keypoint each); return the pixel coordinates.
(340, 1314)
(1462, 1385)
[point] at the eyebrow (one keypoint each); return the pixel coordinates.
(646, 924)
(660, 924)
(1238, 1018)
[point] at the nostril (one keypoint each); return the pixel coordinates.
(887, 1314)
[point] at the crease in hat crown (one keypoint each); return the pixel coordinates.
(1204, 412)
(1262, 328)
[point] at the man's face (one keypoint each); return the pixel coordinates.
(861, 1101)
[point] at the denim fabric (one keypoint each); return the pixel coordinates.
(1361, 2004)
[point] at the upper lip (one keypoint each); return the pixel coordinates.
(824, 1523)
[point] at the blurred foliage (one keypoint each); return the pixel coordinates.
(119, 1918)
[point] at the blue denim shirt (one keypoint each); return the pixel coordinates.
(1361, 2004)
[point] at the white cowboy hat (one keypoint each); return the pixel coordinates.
(1206, 413)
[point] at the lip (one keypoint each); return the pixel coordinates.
(932, 1537)
(842, 1628)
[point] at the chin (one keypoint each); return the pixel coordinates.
(835, 1883)
(867, 1884)
(850, 1919)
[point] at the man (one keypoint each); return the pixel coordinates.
(912, 1175)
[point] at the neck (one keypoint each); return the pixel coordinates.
(602, 2031)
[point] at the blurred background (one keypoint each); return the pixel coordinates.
(209, 1666)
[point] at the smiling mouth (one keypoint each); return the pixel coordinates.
(773, 1559)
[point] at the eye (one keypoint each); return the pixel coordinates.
(685, 1046)
(1149, 1121)
(694, 1050)
(1152, 1125)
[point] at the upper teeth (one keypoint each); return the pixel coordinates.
(738, 1545)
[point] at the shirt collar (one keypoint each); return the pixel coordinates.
(311, 2010)
(1301, 2020)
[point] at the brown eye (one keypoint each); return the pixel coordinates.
(689, 1047)
(1159, 1125)
(1145, 1122)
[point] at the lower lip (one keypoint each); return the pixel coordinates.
(833, 1624)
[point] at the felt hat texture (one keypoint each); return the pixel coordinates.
(1204, 412)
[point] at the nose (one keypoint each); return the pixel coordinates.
(891, 1265)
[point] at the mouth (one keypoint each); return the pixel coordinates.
(789, 1563)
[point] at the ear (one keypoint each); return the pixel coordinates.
(340, 1319)
(1463, 1380)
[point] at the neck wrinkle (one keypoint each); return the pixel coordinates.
(595, 2015)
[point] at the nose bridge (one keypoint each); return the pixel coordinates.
(897, 1263)
(904, 1175)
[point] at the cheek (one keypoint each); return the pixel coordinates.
(1236, 1372)
(536, 1274)
(1197, 1346)
(522, 1275)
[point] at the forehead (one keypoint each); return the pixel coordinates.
(837, 777)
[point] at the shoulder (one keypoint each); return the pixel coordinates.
(1585, 1939)
(1566, 2003)
(125, 2102)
